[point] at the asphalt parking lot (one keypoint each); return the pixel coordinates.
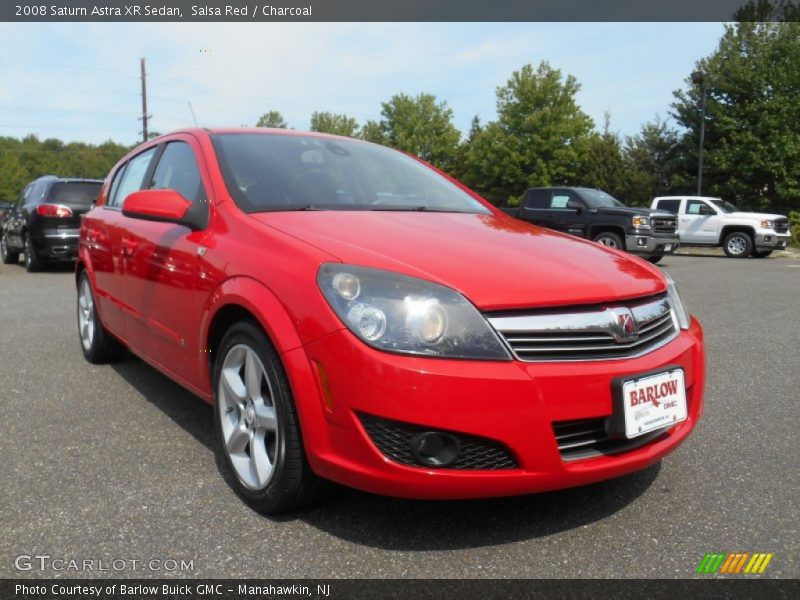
(116, 461)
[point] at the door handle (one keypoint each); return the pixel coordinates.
(128, 247)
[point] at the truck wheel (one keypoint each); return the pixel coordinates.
(610, 240)
(737, 244)
(8, 256)
(32, 262)
(762, 254)
(258, 426)
(655, 259)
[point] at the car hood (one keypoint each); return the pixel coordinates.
(494, 260)
(754, 215)
(631, 210)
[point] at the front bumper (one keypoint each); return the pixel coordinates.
(57, 244)
(772, 241)
(515, 404)
(651, 244)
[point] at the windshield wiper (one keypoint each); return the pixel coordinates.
(307, 207)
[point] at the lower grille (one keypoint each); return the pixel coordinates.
(587, 438)
(665, 224)
(393, 439)
(782, 226)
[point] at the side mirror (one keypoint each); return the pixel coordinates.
(165, 206)
(574, 205)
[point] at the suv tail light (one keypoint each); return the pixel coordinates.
(53, 210)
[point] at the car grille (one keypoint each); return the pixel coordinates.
(782, 226)
(588, 334)
(665, 224)
(587, 438)
(393, 439)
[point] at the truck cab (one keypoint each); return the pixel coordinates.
(706, 221)
(598, 216)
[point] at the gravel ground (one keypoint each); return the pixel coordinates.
(116, 462)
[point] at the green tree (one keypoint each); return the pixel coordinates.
(603, 165)
(419, 125)
(373, 132)
(326, 122)
(540, 137)
(752, 148)
(655, 164)
(272, 119)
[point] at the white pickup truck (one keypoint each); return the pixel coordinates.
(706, 221)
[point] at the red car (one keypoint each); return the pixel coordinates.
(355, 315)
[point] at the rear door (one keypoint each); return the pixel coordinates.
(161, 267)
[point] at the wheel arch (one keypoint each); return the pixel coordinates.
(595, 230)
(729, 229)
(237, 299)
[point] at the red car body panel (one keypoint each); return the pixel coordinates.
(160, 286)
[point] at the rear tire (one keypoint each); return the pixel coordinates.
(8, 256)
(258, 431)
(97, 344)
(737, 245)
(609, 240)
(655, 259)
(32, 262)
(761, 254)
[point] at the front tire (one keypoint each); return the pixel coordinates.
(32, 261)
(609, 240)
(258, 433)
(97, 344)
(6, 255)
(737, 244)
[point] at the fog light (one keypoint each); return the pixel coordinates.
(435, 449)
(641, 241)
(767, 238)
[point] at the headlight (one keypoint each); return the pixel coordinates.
(641, 222)
(677, 303)
(396, 313)
(767, 224)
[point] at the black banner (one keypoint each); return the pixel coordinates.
(345, 589)
(376, 10)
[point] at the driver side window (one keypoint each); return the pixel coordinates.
(696, 207)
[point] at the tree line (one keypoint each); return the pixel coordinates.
(542, 137)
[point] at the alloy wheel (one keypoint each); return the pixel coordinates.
(86, 316)
(737, 245)
(247, 411)
(607, 241)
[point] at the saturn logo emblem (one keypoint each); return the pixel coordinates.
(625, 328)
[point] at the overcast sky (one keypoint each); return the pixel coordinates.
(79, 81)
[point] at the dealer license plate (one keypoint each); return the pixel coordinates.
(667, 247)
(653, 402)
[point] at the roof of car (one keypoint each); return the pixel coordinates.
(56, 179)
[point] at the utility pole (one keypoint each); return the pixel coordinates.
(699, 78)
(145, 116)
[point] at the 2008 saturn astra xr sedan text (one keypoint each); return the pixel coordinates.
(355, 315)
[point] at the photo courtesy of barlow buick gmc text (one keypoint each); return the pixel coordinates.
(336, 299)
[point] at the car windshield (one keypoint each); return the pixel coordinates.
(279, 172)
(725, 206)
(82, 193)
(599, 199)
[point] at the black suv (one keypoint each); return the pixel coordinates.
(44, 221)
(598, 216)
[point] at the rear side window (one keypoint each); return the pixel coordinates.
(177, 170)
(669, 205)
(537, 199)
(80, 193)
(132, 177)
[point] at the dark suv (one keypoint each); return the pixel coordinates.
(45, 219)
(598, 216)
